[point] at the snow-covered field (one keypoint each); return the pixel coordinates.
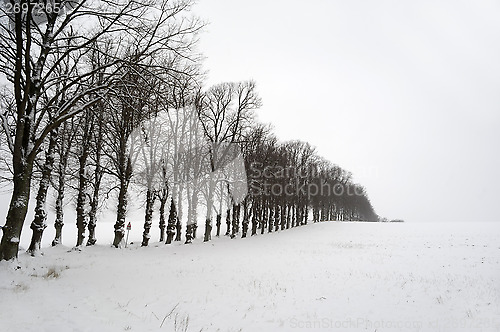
(327, 276)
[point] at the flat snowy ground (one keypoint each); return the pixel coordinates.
(327, 276)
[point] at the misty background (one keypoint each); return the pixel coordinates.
(405, 94)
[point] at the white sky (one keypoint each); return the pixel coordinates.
(406, 94)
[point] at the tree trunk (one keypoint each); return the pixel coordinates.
(298, 221)
(255, 213)
(81, 201)
(277, 217)
(40, 220)
(163, 202)
(228, 222)
(236, 220)
(81, 220)
(94, 204)
(190, 222)
(65, 142)
(98, 174)
(288, 216)
(263, 215)
(59, 222)
(17, 210)
(208, 230)
(148, 218)
(246, 218)
(189, 233)
(218, 223)
(120, 216)
(126, 175)
(194, 212)
(208, 220)
(271, 218)
(178, 224)
(172, 222)
(283, 216)
(195, 227)
(192, 216)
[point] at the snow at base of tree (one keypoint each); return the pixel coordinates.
(320, 277)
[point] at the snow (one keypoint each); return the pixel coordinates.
(319, 277)
(20, 202)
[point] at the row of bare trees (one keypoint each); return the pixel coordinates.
(105, 101)
(68, 60)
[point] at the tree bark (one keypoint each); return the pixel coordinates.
(163, 203)
(17, 211)
(210, 200)
(172, 222)
(246, 218)
(218, 223)
(61, 186)
(94, 204)
(236, 220)
(81, 220)
(283, 216)
(277, 217)
(270, 220)
(193, 215)
(228, 222)
(59, 222)
(178, 223)
(194, 212)
(255, 213)
(148, 218)
(98, 174)
(189, 223)
(40, 220)
(288, 215)
(189, 233)
(263, 215)
(125, 177)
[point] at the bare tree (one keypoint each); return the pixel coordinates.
(163, 194)
(224, 110)
(99, 166)
(194, 167)
(150, 145)
(27, 45)
(39, 223)
(131, 109)
(65, 141)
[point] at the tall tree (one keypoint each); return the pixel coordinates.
(130, 110)
(224, 110)
(66, 138)
(27, 45)
(40, 220)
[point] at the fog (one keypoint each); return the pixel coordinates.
(404, 94)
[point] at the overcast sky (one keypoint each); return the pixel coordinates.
(405, 94)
